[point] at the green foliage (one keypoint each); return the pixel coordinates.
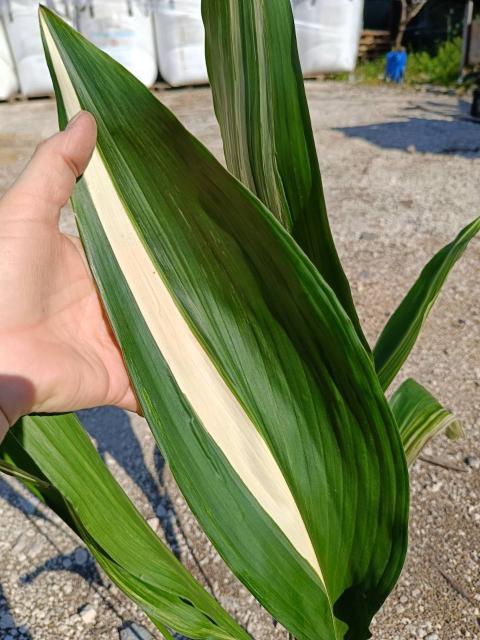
(272, 151)
(442, 68)
(420, 417)
(237, 326)
(72, 479)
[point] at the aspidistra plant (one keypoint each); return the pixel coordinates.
(240, 335)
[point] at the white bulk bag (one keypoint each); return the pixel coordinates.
(124, 30)
(8, 77)
(23, 32)
(180, 39)
(328, 34)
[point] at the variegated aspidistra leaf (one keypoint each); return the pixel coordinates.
(248, 369)
(420, 417)
(261, 107)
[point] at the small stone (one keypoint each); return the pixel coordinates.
(404, 599)
(135, 631)
(35, 549)
(161, 511)
(431, 636)
(20, 544)
(412, 148)
(81, 556)
(87, 614)
(436, 486)
(153, 523)
(8, 637)
(473, 462)
(66, 563)
(368, 235)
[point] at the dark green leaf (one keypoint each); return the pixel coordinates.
(260, 103)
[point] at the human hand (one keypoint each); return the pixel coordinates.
(57, 351)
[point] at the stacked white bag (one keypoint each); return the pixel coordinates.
(124, 30)
(23, 31)
(8, 77)
(180, 38)
(328, 34)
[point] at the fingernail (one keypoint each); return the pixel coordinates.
(74, 120)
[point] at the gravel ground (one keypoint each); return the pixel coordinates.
(402, 176)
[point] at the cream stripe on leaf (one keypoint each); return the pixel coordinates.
(250, 374)
(253, 545)
(209, 396)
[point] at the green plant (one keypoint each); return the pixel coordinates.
(238, 329)
(441, 68)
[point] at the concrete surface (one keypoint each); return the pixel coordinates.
(402, 177)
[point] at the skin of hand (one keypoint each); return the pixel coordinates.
(57, 350)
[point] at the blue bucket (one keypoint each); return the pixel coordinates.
(396, 65)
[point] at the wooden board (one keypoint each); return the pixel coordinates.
(373, 44)
(474, 46)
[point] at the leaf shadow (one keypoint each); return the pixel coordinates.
(86, 568)
(7, 620)
(29, 509)
(452, 137)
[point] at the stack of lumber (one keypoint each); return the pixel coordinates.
(373, 44)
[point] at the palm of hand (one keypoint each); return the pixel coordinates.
(57, 351)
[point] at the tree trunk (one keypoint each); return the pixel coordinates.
(409, 12)
(402, 26)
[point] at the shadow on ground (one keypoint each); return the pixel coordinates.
(79, 561)
(458, 136)
(8, 626)
(8, 623)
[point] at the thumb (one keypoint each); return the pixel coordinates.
(48, 180)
